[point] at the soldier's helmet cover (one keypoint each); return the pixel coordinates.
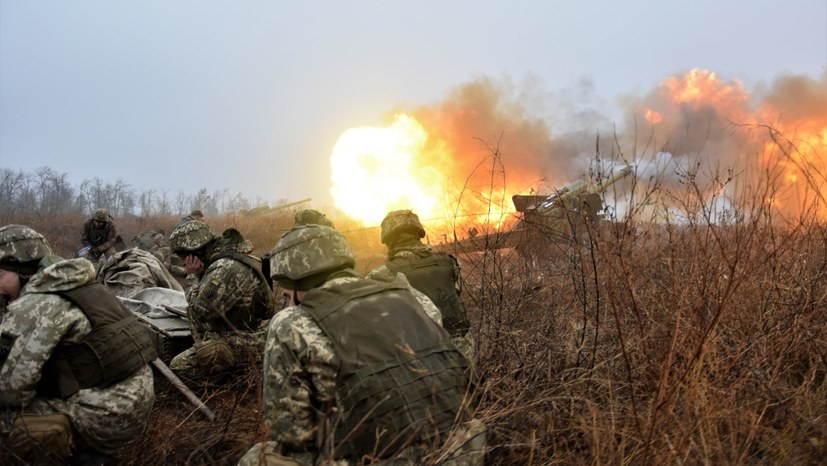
(311, 217)
(309, 250)
(19, 243)
(101, 215)
(190, 236)
(399, 221)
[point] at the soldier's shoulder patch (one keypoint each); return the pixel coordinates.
(211, 289)
(6, 343)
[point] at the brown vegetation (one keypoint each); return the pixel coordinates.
(690, 343)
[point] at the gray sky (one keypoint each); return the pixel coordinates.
(252, 95)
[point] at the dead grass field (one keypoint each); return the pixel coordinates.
(637, 344)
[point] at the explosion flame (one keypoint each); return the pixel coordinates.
(463, 159)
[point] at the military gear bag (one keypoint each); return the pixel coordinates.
(401, 380)
(42, 439)
(435, 276)
(118, 346)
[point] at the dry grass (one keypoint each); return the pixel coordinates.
(637, 344)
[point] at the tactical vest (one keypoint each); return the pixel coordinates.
(435, 276)
(118, 346)
(264, 303)
(401, 380)
(96, 236)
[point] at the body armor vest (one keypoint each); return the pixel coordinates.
(435, 276)
(97, 236)
(118, 346)
(401, 380)
(263, 304)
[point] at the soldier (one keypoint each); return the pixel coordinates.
(73, 361)
(99, 234)
(155, 242)
(230, 306)
(194, 215)
(435, 274)
(311, 217)
(339, 368)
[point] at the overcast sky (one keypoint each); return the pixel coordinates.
(252, 95)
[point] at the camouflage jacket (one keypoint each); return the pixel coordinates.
(130, 271)
(34, 324)
(101, 238)
(300, 369)
(229, 296)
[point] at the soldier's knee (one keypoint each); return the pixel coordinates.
(214, 355)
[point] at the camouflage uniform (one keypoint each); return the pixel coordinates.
(311, 217)
(130, 271)
(301, 369)
(102, 240)
(401, 232)
(106, 419)
(194, 215)
(155, 242)
(230, 304)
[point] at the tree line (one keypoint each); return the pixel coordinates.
(47, 191)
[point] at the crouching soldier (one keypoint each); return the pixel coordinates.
(74, 374)
(229, 308)
(437, 275)
(355, 371)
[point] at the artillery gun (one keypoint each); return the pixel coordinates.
(561, 216)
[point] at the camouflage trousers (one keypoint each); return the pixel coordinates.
(211, 356)
(465, 446)
(106, 419)
(465, 345)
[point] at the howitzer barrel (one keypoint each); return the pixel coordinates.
(580, 188)
(601, 186)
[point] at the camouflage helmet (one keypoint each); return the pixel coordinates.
(101, 215)
(311, 217)
(190, 236)
(308, 251)
(400, 221)
(20, 244)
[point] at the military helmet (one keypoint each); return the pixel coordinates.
(19, 243)
(307, 251)
(400, 221)
(101, 215)
(190, 236)
(311, 217)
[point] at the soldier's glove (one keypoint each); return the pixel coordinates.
(42, 439)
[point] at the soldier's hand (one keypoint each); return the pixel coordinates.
(193, 265)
